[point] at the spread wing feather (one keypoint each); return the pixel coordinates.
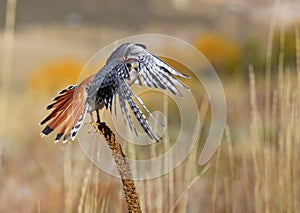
(154, 71)
(125, 93)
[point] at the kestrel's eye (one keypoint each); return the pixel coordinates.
(129, 66)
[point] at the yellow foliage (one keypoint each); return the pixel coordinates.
(223, 53)
(54, 76)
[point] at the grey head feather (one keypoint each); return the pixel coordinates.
(120, 52)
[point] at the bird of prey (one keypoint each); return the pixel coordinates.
(129, 63)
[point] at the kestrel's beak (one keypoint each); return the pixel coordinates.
(135, 66)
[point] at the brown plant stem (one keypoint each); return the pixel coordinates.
(123, 168)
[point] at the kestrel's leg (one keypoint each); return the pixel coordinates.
(99, 123)
(94, 125)
(92, 118)
(98, 117)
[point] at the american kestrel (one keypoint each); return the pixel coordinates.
(129, 63)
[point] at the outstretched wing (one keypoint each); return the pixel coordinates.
(106, 82)
(126, 95)
(111, 82)
(153, 72)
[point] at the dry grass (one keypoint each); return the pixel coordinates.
(265, 177)
(6, 64)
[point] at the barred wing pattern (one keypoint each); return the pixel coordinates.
(106, 82)
(107, 86)
(154, 72)
(125, 93)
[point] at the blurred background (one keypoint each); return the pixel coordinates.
(254, 47)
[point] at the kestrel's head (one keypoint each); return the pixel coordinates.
(121, 51)
(141, 45)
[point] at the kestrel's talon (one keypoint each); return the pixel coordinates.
(94, 126)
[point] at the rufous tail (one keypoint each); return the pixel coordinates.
(68, 113)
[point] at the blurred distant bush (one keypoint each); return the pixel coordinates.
(223, 53)
(53, 76)
(287, 35)
(254, 53)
